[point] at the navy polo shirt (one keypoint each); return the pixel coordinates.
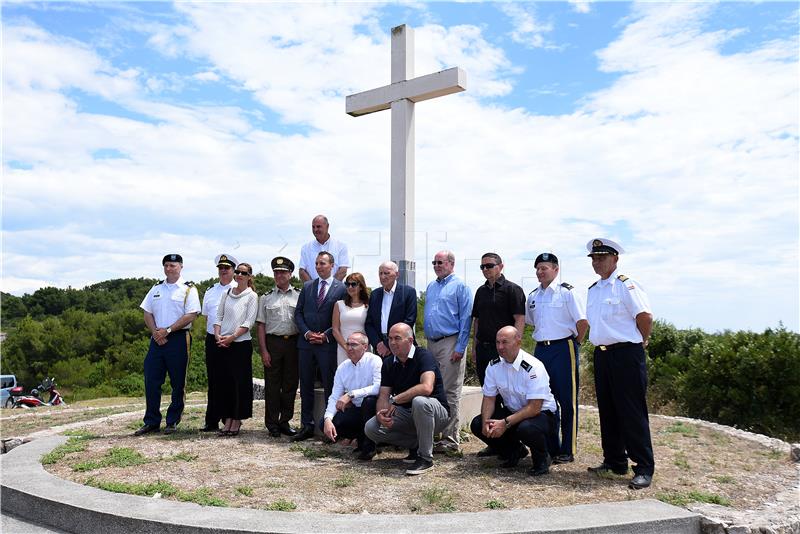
(403, 376)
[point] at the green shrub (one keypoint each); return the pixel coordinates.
(745, 379)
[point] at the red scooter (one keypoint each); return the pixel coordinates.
(19, 400)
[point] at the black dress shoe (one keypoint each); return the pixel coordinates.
(307, 432)
(367, 456)
(487, 451)
(286, 430)
(171, 429)
(513, 459)
(605, 468)
(210, 428)
(541, 466)
(563, 459)
(274, 432)
(146, 429)
(640, 482)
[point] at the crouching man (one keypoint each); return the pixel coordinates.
(527, 418)
(355, 392)
(412, 405)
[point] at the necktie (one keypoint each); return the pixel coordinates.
(321, 295)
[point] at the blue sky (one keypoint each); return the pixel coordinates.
(135, 129)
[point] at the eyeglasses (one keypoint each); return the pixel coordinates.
(243, 273)
(354, 345)
(351, 284)
(485, 266)
(438, 262)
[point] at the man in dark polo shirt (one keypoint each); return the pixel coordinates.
(498, 303)
(412, 405)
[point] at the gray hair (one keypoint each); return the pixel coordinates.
(390, 265)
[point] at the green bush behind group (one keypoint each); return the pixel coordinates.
(93, 341)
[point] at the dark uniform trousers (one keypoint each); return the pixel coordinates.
(324, 358)
(350, 423)
(171, 359)
(561, 360)
(281, 381)
(533, 432)
(213, 374)
(620, 375)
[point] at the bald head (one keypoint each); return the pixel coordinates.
(319, 227)
(508, 342)
(401, 339)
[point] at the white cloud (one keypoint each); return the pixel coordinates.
(689, 157)
(581, 6)
(527, 29)
(206, 76)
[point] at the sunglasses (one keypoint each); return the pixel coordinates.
(485, 266)
(224, 267)
(438, 262)
(351, 284)
(243, 273)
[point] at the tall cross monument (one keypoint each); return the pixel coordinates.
(400, 96)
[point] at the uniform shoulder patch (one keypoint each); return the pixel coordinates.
(591, 286)
(525, 365)
(158, 283)
(189, 283)
(622, 278)
(496, 360)
(567, 286)
(534, 291)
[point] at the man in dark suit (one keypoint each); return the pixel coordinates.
(316, 343)
(389, 304)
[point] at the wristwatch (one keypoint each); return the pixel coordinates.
(351, 394)
(169, 330)
(391, 400)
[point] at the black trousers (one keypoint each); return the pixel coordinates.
(485, 352)
(236, 381)
(350, 423)
(620, 377)
(533, 432)
(280, 381)
(212, 372)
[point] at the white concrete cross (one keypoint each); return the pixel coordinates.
(401, 95)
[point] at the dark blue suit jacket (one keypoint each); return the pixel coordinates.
(308, 317)
(403, 310)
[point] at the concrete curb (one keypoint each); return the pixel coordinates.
(29, 492)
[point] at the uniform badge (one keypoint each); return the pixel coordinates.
(279, 261)
(597, 243)
(223, 258)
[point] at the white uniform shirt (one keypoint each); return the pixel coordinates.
(362, 380)
(554, 311)
(170, 302)
(386, 307)
(525, 379)
(309, 252)
(612, 307)
(210, 303)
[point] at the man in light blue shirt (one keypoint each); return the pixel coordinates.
(448, 309)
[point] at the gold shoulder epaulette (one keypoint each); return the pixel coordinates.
(158, 283)
(622, 278)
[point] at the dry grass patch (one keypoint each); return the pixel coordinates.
(693, 464)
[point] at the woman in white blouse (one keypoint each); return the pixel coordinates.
(350, 314)
(235, 317)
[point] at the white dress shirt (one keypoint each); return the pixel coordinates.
(525, 379)
(386, 306)
(169, 302)
(309, 252)
(612, 308)
(554, 312)
(361, 379)
(210, 303)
